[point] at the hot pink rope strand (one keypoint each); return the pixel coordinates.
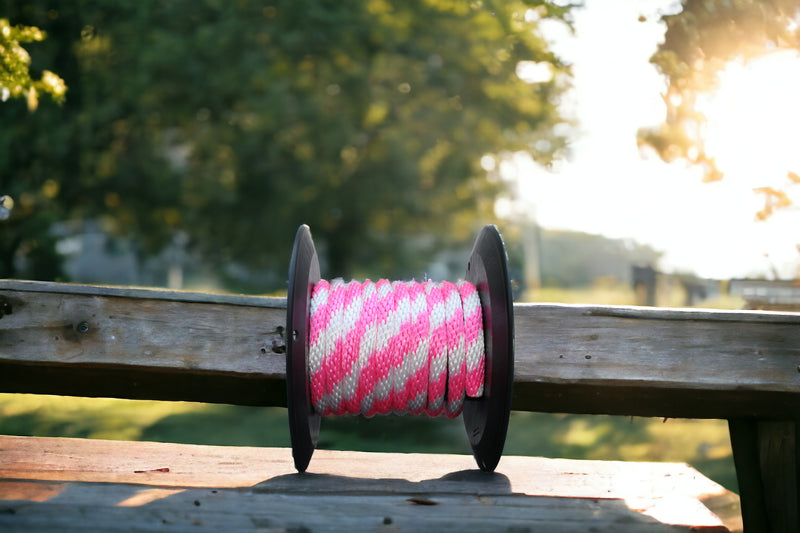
(394, 347)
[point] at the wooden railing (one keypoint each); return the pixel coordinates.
(743, 366)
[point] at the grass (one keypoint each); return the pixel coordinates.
(613, 292)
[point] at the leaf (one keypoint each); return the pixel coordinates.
(773, 199)
(764, 213)
(774, 196)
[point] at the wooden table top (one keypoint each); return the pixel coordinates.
(59, 484)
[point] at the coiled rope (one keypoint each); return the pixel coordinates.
(394, 347)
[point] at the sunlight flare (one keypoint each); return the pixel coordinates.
(753, 120)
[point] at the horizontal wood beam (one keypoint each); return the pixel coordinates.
(155, 344)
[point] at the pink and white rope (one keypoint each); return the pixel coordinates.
(394, 347)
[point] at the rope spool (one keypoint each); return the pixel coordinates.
(394, 347)
(401, 347)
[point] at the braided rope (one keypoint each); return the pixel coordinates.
(394, 347)
(473, 338)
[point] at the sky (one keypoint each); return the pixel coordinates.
(607, 186)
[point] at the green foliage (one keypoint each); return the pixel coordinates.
(15, 77)
(234, 122)
(699, 42)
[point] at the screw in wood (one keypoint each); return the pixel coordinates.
(5, 307)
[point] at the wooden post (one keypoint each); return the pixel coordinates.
(644, 284)
(767, 460)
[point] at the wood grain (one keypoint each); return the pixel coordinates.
(654, 362)
(779, 472)
(93, 484)
(144, 343)
(767, 462)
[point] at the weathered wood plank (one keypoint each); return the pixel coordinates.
(108, 486)
(654, 362)
(200, 510)
(140, 292)
(142, 343)
(779, 467)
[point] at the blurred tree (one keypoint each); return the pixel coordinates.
(234, 122)
(29, 235)
(15, 76)
(571, 259)
(700, 41)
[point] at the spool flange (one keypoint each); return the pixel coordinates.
(486, 418)
(303, 422)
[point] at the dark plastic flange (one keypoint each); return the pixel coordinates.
(303, 274)
(486, 418)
